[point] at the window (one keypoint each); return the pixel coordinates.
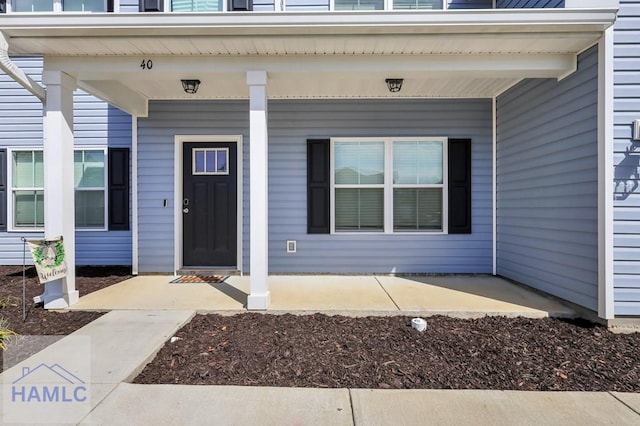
(359, 5)
(27, 189)
(389, 185)
(59, 5)
(210, 161)
(417, 4)
(32, 6)
(196, 5)
(90, 178)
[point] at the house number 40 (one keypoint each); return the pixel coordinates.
(146, 64)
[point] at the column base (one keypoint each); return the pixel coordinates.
(54, 297)
(259, 301)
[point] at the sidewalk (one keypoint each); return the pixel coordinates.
(109, 352)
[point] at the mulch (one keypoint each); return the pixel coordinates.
(386, 353)
(40, 321)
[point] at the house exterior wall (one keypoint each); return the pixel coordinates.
(528, 4)
(626, 160)
(291, 123)
(128, 6)
(95, 123)
(547, 184)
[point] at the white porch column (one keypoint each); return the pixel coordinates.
(259, 297)
(59, 206)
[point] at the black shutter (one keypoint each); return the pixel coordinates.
(459, 186)
(241, 5)
(3, 6)
(119, 189)
(318, 186)
(3, 189)
(109, 5)
(151, 5)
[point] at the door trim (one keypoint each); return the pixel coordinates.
(179, 141)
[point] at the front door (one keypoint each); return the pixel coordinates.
(209, 204)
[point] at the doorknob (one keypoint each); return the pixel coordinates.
(185, 210)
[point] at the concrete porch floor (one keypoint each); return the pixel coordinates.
(455, 295)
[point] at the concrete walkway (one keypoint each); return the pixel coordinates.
(456, 295)
(82, 369)
(93, 365)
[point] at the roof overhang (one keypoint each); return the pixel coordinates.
(462, 53)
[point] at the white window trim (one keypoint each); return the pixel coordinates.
(10, 204)
(388, 184)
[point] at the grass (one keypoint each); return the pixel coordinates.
(8, 301)
(5, 334)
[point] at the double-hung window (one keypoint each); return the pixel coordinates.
(27, 189)
(388, 4)
(26, 199)
(90, 183)
(389, 185)
(58, 5)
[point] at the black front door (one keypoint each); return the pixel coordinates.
(209, 204)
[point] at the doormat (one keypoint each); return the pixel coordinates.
(199, 279)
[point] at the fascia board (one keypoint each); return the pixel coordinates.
(393, 22)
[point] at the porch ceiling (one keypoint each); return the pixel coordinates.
(475, 53)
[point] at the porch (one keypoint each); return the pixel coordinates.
(452, 295)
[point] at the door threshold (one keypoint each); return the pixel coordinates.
(207, 271)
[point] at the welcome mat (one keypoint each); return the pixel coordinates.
(199, 279)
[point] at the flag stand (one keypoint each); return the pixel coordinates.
(24, 278)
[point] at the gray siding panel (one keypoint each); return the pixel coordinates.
(527, 4)
(291, 123)
(547, 184)
(626, 163)
(95, 123)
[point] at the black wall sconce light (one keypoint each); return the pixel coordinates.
(394, 84)
(190, 86)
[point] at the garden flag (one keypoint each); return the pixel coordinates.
(49, 258)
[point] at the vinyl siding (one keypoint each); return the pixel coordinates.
(626, 162)
(547, 188)
(470, 4)
(95, 123)
(528, 4)
(291, 123)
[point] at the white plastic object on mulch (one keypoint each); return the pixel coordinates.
(419, 324)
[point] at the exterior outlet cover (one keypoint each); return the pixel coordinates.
(636, 130)
(291, 246)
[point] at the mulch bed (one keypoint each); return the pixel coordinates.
(40, 321)
(385, 352)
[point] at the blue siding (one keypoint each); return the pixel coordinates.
(626, 162)
(95, 123)
(470, 4)
(528, 4)
(291, 123)
(547, 227)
